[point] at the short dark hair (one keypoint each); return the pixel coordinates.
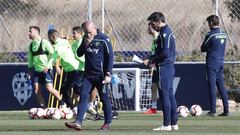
(156, 16)
(213, 19)
(78, 29)
(36, 28)
(52, 31)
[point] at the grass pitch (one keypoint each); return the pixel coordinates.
(134, 123)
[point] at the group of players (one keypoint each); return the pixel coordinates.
(88, 63)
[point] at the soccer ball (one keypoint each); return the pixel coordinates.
(183, 111)
(196, 110)
(37, 113)
(66, 113)
(32, 113)
(50, 112)
(56, 114)
(41, 113)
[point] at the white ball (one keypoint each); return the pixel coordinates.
(50, 112)
(183, 111)
(196, 110)
(57, 114)
(66, 113)
(144, 109)
(32, 112)
(41, 113)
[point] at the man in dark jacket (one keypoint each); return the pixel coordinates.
(98, 68)
(214, 45)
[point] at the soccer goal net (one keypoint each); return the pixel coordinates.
(133, 90)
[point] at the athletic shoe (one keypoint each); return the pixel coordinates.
(114, 114)
(104, 127)
(99, 117)
(99, 107)
(224, 114)
(151, 111)
(211, 114)
(175, 127)
(74, 125)
(91, 111)
(163, 128)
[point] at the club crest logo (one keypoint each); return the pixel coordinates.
(97, 43)
(22, 88)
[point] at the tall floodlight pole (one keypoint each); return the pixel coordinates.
(89, 8)
(216, 7)
(103, 13)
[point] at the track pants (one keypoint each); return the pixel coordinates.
(215, 78)
(89, 82)
(166, 75)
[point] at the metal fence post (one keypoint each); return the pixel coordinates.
(89, 8)
(215, 6)
(103, 13)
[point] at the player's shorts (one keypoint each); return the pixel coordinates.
(155, 76)
(73, 79)
(79, 79)
(42, 78)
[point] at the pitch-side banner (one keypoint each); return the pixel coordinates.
(190, 87)
(16, 90)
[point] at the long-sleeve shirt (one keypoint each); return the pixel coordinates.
(98, 55)
(165, 51)
(40, 61)
(67, 58)
(214, 44)
(75, 45)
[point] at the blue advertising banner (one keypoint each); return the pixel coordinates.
(190, 86)
(17, 93)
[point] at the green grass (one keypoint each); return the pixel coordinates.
(18, 123)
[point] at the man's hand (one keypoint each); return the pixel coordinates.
(150, 65)
(145, 62)
(88, 40)
(107, 79)
(58, 70)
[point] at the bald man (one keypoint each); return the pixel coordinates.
(98, 68)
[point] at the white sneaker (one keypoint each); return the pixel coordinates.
(63, 106)
(91, 111)
(163, 128)
(175, 127)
